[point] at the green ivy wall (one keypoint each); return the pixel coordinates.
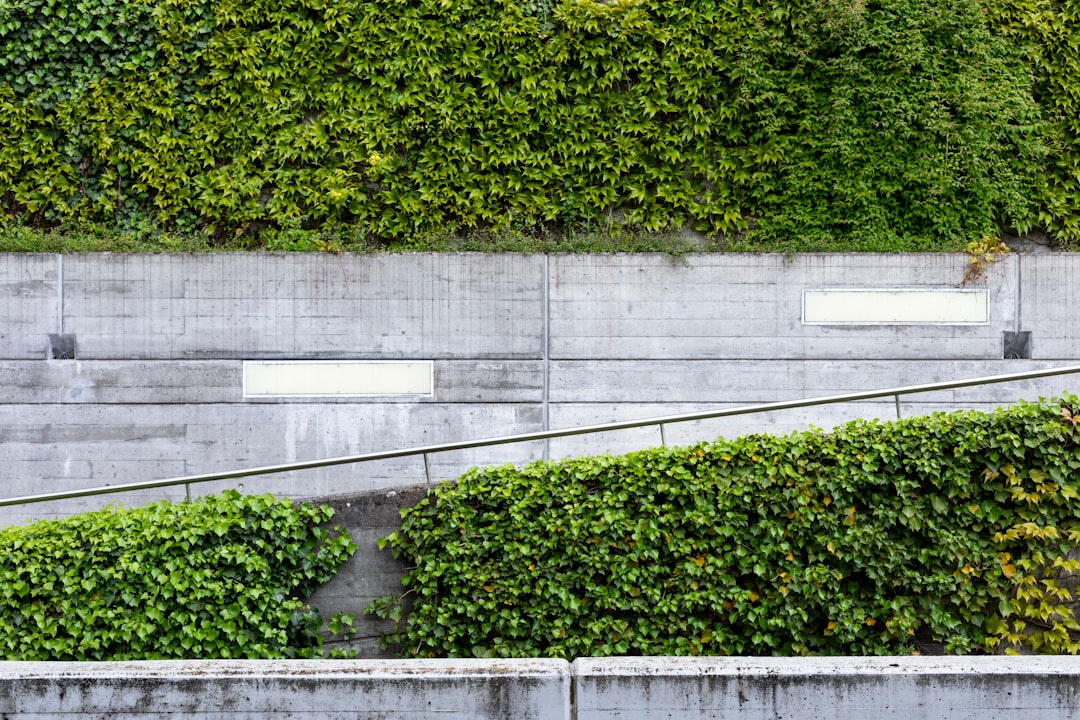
(915, 124)
(946, 531)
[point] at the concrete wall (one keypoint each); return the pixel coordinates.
(253, 690)
(370, 573)
(518, 343)
(906, 688)
(986, 688)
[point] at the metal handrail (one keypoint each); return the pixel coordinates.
(426, 450)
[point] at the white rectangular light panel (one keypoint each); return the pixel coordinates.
(895, 307)
(337, 378)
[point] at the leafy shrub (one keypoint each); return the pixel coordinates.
(223, 576)
(897, 123)
(874, 538)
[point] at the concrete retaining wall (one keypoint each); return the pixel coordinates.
(370, 573)
(984, 688)
(323, 689)
(953, 688)
(518, 343)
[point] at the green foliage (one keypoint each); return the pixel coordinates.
(869, 539)
(100, 237)
(982, 253)
(92, 95)
(56, 47)
(901, 124)
(895, 118)
(1048, 31)
(220, 577)
(293, 237)
(1040, 616)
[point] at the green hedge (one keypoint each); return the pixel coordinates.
(908, 124)
(874, 538)
(220, 577)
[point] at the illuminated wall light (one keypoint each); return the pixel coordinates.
(337, 378)
(896, 307)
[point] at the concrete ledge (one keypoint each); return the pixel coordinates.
(956, 688)
(952, 688)
(324, 689)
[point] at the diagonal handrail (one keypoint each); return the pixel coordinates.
(426, 450)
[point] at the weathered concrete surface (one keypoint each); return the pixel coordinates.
(907, 688)
(958, 688)
(184, 382)
(29, 308)
(287, 689)
(1051, 285)
(741, 306)
(519, 343)
(256, 305)
(370, 573)
(762, 381)
(73, 446)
